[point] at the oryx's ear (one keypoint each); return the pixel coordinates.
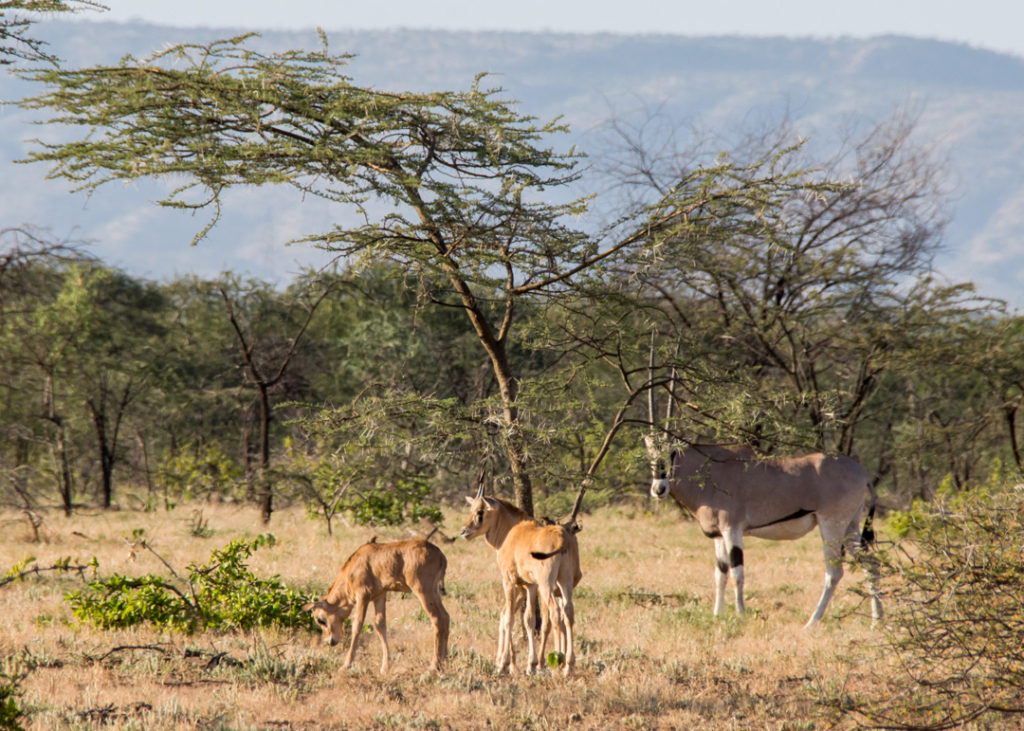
(491, 503)
(470, 500)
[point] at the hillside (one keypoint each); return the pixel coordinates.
(969, 104)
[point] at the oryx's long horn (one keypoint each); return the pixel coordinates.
(480, 491)
(671, 400)
(650, 385)
(672, 388)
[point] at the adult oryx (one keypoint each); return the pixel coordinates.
(732, 492)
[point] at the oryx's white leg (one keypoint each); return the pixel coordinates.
(500, 658)
(559, 627)
(721, 573)
(732, 547)
(832, 538)
(862, 554)
(871, 568)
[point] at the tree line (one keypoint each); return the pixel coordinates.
(501, 308)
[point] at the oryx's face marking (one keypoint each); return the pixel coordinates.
(659, 481)
(659, 475)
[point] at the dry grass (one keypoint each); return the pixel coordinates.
(651, 654)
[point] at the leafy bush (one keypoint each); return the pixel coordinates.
(222, 594)
(395, 504)
(350, 480)
(11, 712)
(956, 613)
(204, 470)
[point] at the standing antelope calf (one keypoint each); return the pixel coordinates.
(368, 574)
(534, 559)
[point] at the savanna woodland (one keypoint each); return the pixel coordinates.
(186, 463)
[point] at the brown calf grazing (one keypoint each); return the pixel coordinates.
(368, 574)
(534, 559)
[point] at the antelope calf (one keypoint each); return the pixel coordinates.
(534, 559)
(368, 574)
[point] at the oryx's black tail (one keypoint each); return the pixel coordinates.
(867, 533)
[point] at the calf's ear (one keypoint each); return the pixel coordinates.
(314, 605)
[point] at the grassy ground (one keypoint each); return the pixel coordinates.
(650, 653)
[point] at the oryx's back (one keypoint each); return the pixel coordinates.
(727, 477)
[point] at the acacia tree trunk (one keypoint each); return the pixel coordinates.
(59, 445)
(257, 377)
(107, 433)
(494, 346)
(65, 466)
(1011, 425)
(266, 487)
(513, 443)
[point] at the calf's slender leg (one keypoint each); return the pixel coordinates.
(358, 617)
(545, 595)
(568, 625)
(380, 623)
(529, 607)
(439, 617)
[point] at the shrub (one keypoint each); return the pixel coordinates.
(350, 480)
(403, 501)
(956, 603)
(222, 594)
(200, 471)
(11, 712)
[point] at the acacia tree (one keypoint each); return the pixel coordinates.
(267, 356)
(28, 281)
(47, 328)
(780, 315)
(16, 20)
(998, 356)
(117, 359)
(448, 185)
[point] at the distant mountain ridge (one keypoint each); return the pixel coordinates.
(970, 101)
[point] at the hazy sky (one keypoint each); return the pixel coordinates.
(993, 24)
